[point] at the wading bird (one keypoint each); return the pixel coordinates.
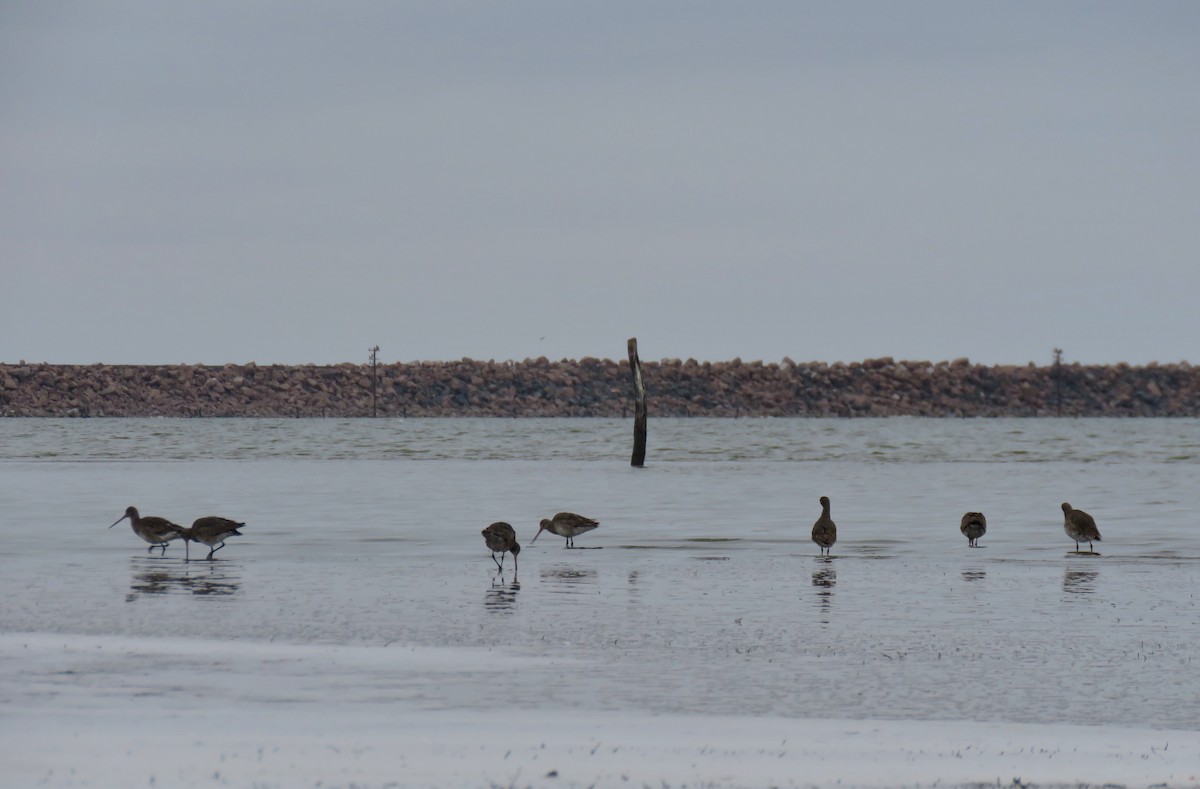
(211, 531)
(156, 531)
(566, 524)
(502, 538)
(973, 526)
(1080, 527)
(824, 532)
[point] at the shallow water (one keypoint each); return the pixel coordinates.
(699, 593)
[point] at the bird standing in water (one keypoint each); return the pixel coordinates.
(824, 532)
(566, 524)
(211, 531)
(1080, 527)
(156, 531)
(502, 538)
(973, 526)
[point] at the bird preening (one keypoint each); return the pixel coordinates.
(1080, 527)
(973, 526)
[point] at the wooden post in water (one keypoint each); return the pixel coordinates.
(374, 381)
(1058, 381)
(639, 406)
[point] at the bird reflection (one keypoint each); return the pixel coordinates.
(1080, 581)
(502, 597)
(157, 579)
(974, 574)
(569, 580)
(569, 575)
(824, 578)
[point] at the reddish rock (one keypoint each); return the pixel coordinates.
(593, 387)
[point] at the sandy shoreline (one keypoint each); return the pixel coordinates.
(114, 711)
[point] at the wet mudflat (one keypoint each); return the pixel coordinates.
(699, 595)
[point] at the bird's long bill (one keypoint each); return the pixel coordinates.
(540, 530)
(118, 520)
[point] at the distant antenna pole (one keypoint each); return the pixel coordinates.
(1058, 352)
(639, 406)
(374, 380)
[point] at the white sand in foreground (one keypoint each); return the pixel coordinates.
(81, 711)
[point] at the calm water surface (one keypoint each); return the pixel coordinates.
(701, 591)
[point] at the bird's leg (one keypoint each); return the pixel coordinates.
(186, 551)
(219, 547)
(210, 553)
(498, 566)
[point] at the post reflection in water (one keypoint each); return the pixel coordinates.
(158, 578)
(502, 597)
(1080, 581)
(824, 578)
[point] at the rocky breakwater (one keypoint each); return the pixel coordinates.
(600, 387)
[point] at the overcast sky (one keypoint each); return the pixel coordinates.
(291, 182)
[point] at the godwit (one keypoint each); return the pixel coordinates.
(502, 538)
(156, 531)
(212, 532)
(1080, 527)
(566, 524)
(824, 532)
(973, 526)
